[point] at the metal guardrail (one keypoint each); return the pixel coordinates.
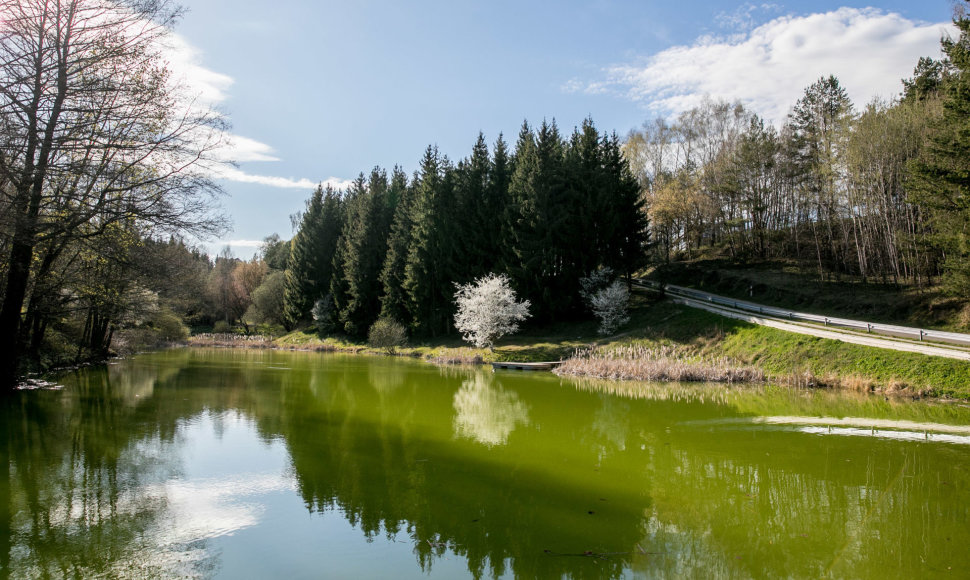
(869, 327)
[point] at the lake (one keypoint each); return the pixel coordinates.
(206, 463)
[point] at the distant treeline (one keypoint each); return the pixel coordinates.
(881, 195)
(546, 213)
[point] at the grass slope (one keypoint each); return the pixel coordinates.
(785, 357)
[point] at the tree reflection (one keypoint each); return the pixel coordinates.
(487, 413)
(519, 475)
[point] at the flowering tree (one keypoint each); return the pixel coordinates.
(487, 310)
(610, 305)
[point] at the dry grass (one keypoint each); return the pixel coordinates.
(456, 356)
(663, 363)
(232, 340)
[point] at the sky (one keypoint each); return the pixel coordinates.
(318, 91)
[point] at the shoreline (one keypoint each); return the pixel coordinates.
(670, 366)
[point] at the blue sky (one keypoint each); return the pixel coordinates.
(323, 90)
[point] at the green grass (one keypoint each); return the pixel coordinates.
(785, 357)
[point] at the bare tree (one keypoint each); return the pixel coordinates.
(94, 131)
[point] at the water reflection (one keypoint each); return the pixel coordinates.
(486, 412)
(206, 464)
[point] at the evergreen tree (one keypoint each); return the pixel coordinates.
(625, 226)
(363, 249)
(309, 267)
(476, 225)
(940, 176)
(587, 205)
(539, 221)
(394, 301)
(339, 285)
(496, 201)
(429, 272)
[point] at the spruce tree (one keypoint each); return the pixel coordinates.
(940, 176)
(627, 235)
(339, 285)
(364, 246)
(588, 205)
(475, 225)
(496, 201)
(309, 271)
(394, 301)
(429, 272)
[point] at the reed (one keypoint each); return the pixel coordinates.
(226, 339)
(456, 356)
(656, 363)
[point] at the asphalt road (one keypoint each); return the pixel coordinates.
(909, 339)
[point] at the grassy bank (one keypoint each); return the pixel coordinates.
(672, 340)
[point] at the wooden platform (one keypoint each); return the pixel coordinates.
(526, 366)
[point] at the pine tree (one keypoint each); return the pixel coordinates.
(309, 269)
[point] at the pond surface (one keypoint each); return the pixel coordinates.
(262, 464)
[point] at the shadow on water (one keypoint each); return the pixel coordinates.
(514, 474)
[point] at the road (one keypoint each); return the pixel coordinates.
(907, 339)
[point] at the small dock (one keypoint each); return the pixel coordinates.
(526, 366)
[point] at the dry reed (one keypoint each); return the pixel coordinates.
(459, 356)
(664, 363)
(231, 340)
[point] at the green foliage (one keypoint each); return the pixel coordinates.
(429, 267)
(310, 268)
(275, 252)
(940, 176)
(394, 302)
(268, 300)
(221, 327)
(387, 335)
(169, 326)
(362, 251)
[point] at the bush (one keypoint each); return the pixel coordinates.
(386, 334)
(221, 327)
(170, 327)
(323, 315)
(611, 305)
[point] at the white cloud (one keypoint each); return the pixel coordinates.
(207, 89)
(769, 67)
(185, 63)
(231, 173)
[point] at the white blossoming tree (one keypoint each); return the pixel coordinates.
(611, 306)
(488, 310)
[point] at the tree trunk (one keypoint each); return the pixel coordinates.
(13, 301)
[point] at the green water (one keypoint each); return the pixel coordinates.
(249, 464)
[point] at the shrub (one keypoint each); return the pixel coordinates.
(170, 327)
(221, 327)
(323, 314)
(611, 305)
(386, 334)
